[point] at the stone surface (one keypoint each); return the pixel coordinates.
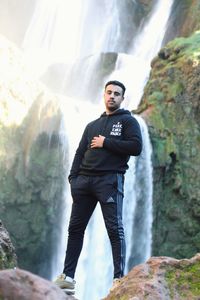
(171, 108)
(190, 18)
(8, 257)
(161, 278)
(184, 19)
(22, 285)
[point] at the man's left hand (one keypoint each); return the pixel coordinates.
(97, 141)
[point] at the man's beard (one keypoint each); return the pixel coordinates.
(113, 107)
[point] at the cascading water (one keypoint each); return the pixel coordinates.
(133, 69)
(53, 33)
(141, 215)
(94, 272)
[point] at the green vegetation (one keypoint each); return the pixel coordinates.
(6, 261)
(184, 281)
(170, 105)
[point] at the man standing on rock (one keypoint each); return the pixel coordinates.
(97, 175)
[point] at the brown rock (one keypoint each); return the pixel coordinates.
(161, 278)
(22, 285)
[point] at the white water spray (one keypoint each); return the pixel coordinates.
(53, 34)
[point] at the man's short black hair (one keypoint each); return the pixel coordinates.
(115, 82)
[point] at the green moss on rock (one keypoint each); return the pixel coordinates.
(32, 163)
(8, 258)
(171, 108)
(31, 203)
(32, 176)
(184, 281)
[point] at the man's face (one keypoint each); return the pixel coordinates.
(113, 97)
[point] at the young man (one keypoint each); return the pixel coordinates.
(97, 175)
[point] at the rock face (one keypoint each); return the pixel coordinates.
(141, 9)
(184, 19)
(32, 163)
(8, 258)
(161, 278)
(171, 107)
(22, 285)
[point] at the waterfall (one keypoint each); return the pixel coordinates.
(53, 34)
(55, 44)
(141, 214)
(133, 69)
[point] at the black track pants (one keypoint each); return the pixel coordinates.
(86, 192)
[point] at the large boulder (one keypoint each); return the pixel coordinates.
(171, 107)
(22, 285)
(161, 278)
(8, 257)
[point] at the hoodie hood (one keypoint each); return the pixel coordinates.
(119, 111)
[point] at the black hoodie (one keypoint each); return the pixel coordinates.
(122, 139)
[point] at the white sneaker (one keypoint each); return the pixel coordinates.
(116, 282)
(66, 283)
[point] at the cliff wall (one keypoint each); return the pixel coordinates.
(32, 163)
(171, 107)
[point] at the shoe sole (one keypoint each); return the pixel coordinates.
(68, 292)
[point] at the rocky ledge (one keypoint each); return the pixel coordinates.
(161, 278)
